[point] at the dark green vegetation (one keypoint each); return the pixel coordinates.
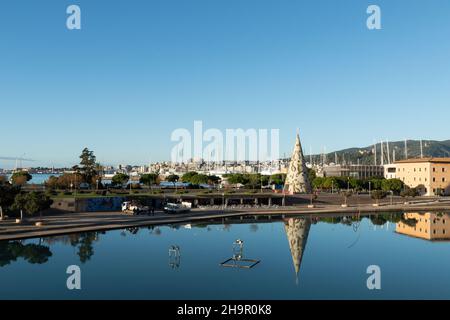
(120, 179)
(149, 179)
(173, 178)
(254, 180)
(8, 193)
(378, 195)
(195, 178)
(20, 178)
(340, 183)
(31, 202)
(13, 199)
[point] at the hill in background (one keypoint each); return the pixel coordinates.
(365, 155)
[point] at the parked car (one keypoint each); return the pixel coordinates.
(177, 207)
(134, 208)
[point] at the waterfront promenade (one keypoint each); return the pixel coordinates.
(57, 224)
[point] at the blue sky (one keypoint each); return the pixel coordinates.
(137, 70)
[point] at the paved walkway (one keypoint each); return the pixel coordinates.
(96, 221)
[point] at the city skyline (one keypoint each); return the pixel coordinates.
(134, 74)
(327, 156)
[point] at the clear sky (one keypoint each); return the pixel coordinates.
(139, 69)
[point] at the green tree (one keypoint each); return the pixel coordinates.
(355, 184)
(199, 179)
(253, 180)
(265, 180)
(120, 179)
(317, 183)
(376, 183)
(278, 178)
(173, 178)
(236, 178)
(149, 179)
(212, 179)
(311, 174)
(8, 193)
(330, 183)
(342, 182)
(187, 177)
(409, 192)
(378, 195)
(346, 194)
(32, 202)
(88, 166)
(394, 185)
(20, 178)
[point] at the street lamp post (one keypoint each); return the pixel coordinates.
(223, 201)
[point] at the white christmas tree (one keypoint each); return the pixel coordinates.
(297, 180)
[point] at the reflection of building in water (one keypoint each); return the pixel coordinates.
(429, 226)
(297, 230)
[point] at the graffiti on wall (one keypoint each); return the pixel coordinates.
(103, 204)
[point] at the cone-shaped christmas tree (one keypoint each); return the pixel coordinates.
(297, 180)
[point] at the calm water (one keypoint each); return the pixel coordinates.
(300, 258)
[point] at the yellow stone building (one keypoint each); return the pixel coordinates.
(431, 176)
(429, 226)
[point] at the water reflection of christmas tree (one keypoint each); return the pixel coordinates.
(297, 230)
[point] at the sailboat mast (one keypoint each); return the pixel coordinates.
(406, 149)
(375, 154)
(388, 152)
(421, 149)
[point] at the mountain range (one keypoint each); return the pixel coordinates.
(366, 155)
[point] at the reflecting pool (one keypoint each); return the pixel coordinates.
(314, 257)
